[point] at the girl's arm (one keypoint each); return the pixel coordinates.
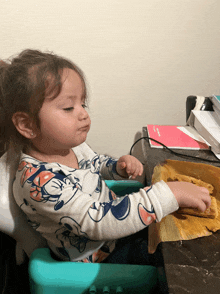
(110, 168)
(54, 198)
(57, 199)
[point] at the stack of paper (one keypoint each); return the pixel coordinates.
(207, 123)
(207, 126)
(202, 131)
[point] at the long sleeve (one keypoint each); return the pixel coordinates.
(75, 208)
(104, 164)
(104, 217)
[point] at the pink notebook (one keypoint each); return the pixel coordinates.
(173, 137)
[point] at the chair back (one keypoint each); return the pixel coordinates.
(13, 221)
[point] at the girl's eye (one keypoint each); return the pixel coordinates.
(68, 108)
(84, 105)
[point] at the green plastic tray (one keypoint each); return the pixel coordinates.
(49, 276)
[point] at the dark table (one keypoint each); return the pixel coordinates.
(191, 266)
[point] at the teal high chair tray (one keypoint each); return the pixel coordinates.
(49, 276)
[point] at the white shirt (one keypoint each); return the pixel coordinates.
(76, 212)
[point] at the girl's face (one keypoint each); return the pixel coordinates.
(64, 122)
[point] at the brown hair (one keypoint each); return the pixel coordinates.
(24, 84)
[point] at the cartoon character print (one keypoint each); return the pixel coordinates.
(47, 185)
(28, 170)
(98, 187)
(34, 225)
(27, 204)
(110, 161)
(146, 216)
(71, 232)
(111, 165)
(95, 165)
(120, 208)
(84, 164)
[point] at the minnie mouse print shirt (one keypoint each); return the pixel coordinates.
(74, 210)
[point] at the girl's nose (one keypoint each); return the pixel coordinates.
(83, 114)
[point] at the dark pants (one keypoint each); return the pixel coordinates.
(131, 250)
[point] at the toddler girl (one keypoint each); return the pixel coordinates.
(59, 183)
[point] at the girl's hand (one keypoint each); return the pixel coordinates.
(190, 195)
(129, 166)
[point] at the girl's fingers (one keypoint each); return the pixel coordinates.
(130, 166)
(190, 195)
(200, 205)
(122, 165)
(136, 171)
(141, 170)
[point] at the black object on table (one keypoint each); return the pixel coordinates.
(191, 266)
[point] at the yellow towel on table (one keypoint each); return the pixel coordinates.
(179, 225)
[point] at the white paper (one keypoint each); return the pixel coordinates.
(216, 154)
(190, 131)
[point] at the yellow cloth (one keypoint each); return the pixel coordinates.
(175, 226)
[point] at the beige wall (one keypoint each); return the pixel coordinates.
(142, 58)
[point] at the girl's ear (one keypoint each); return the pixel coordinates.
(24, 124)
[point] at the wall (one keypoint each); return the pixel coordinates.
(141, 58)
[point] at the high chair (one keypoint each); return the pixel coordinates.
(12, 220)
(50, 276)
(14, 229)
